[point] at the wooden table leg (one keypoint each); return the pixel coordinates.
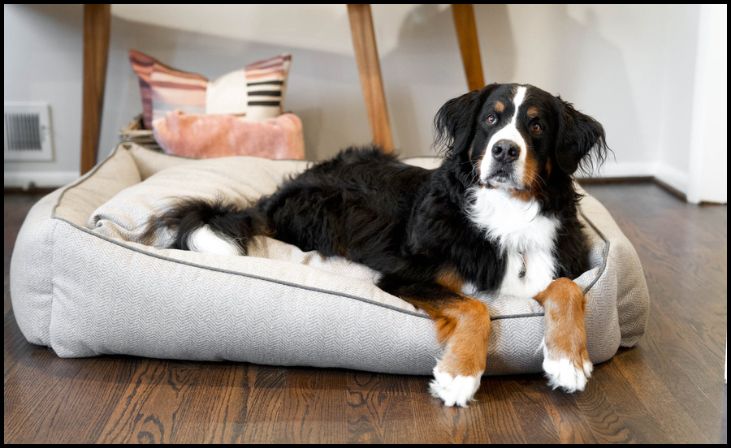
(469, 46)
(97, 19)
(369, 68)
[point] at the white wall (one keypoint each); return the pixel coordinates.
(631, 67)
(709, 144)
(43, 62)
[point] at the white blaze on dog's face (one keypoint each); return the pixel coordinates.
(503, 160)
(511, 141)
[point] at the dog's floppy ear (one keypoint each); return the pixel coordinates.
(455, 121)
(581, 141)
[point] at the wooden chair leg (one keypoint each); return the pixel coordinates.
(469, 46)
(369, 68)
(97, 19)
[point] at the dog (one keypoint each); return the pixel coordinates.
(499, 215)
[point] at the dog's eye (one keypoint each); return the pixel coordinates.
(536, 128)
(491, 119)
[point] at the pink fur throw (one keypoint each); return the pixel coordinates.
(205, 136)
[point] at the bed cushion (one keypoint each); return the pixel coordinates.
(83, 284)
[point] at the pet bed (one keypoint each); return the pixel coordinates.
(83, 283)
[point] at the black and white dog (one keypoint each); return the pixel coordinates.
(499, 216)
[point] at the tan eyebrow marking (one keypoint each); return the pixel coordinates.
(532, 112)
(499, 106)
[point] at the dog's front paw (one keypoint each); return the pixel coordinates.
(568, 371)
(454, 389)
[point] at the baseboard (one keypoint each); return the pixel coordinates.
(672, 178)
(620, 170)
(39, 179)
(670, 189)
(615, 180)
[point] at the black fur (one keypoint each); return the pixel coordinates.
(578, 134)
(411, 223)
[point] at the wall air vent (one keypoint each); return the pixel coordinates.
(27, 132)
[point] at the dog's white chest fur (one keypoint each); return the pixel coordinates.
(526, 237)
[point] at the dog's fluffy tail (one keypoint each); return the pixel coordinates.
(209, 226)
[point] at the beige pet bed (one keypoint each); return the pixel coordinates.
(82, 285)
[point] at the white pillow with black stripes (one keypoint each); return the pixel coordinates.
(256, 91)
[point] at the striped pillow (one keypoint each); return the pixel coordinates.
(257, 91)
(266, 82)
(142, 65)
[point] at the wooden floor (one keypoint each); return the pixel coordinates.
(669, 388)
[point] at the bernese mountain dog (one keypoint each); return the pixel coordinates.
(499, 216)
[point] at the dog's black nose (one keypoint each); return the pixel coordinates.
(505, 151)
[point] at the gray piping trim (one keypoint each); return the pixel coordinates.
(516, 316)
(256, 277)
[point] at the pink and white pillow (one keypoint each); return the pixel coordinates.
(256, 91)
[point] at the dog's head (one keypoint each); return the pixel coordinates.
(517, 137)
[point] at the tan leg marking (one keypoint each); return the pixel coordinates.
(566, 359)
(463, 328)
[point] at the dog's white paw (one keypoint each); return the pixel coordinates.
(562, 372)
(454, 390)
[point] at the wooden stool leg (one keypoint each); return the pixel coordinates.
(369, 68)
(469, 46)
(96, 48)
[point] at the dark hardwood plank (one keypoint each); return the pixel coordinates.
(163, 397)
(61, 400)
(667, 389)
(296, 405)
